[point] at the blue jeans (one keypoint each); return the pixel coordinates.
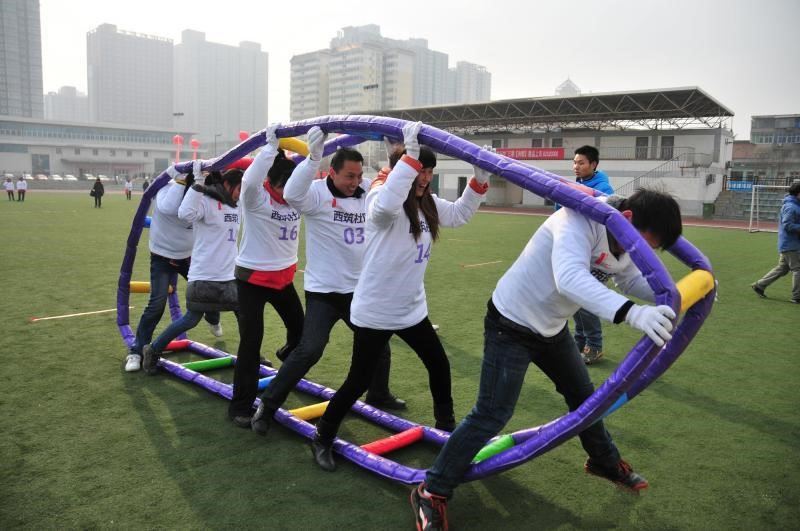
(508, 350)
(163, 272)
(188, 321)
(323, 310)
(588, 330)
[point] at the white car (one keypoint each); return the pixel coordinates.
(89, 176)
(56, 177)
(69, 177)
(39, 177)
(27, 176)
(103, 177)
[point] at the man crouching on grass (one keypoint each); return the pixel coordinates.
(526, 322)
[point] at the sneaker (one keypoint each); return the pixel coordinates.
(387, 401)
(435, 327)
(216, 329)
(261, 420)
(622, 475)
(430, 510)
(264, 361)
(323, 454)
(591, 355)
(241, 421)
(283, 353)
(150, 360)
(759, 291)
(133, 362)
(795, 301)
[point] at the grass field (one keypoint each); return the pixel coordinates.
(85, 445)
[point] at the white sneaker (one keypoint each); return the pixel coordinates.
(435, 327)
(133, 363)
(216, 329)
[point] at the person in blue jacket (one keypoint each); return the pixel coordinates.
(788, 246)
(588, 328)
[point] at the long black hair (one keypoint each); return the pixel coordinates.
(281, 170)
(413, 204)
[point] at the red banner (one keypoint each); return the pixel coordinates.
(533, 153)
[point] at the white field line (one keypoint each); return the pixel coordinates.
(483, 264)
(37, 319)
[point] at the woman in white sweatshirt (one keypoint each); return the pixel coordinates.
(403, 220)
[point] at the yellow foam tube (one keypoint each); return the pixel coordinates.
(142, 287)
(295, 145)
(694, 287)
(310, 412)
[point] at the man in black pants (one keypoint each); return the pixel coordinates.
(335, 213)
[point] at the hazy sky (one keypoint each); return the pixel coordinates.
(745, 53)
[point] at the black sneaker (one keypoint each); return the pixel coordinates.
(323, 454)
(150, 360)
(430, 510)
(283, 353)
(621, 475)
(264, 361)
(261, 420)
(759, 291)
(387, 401)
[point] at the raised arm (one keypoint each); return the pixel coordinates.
(252, 192)
(455, 214)
(386, 198)
(297, 189)
(169, 201)
(192, 207)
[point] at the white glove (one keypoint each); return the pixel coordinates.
(652, 320)
(316, 143)
(271, 137)
(197, 171)
(482, 176)
(410, 132)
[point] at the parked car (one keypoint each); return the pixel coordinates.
(8, 176)
(56, 177)
(39, 177)
(70, 177)
(27, 176)
(103, 177)
(88, 176)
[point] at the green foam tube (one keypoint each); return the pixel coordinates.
(205, 365)
(503, 443)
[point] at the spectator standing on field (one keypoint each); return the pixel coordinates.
(22, 187)
(788, 246)
(128, 188)
(588, 328)
(9, 186)
(145, 184)
(97, 192)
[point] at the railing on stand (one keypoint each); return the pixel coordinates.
(677, 166)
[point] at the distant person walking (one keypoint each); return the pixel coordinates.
(9, 186)
(128, 188)
(788, 246)
(145, 184)
(97, 192)
(22, 187)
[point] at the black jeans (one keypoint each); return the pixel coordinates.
(252, 299)
(98, 201)
(508, 351)
(323, 310)
(421, 338)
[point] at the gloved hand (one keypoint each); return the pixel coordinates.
(271, 137)
(653, 321)
(390, 146)
(410, 132)
(197, 173)
(316, 143)
(482, 176)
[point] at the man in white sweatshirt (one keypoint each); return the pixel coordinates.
(526, 323)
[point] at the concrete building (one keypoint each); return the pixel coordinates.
(220, 90)
(677, 138)
(36, 146)
(66, 105)
(364, 70)
(309, 85)
(20, 59)
(772, 155)
(130, 78)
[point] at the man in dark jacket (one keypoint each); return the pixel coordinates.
(97, 192)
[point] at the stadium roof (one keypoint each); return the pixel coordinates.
(674, 108)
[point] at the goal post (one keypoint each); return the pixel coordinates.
(765, 206)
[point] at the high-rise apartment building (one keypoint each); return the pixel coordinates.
(219, 89)
(363, 70)
(20, 59)
(66, 105)
(130, 77)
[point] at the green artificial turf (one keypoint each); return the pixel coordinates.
(86, 445)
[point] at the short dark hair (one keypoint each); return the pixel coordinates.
(655, 211)
(233, 177)
(281, 170)
(590, 152)
(794, 189)
(427, 157)
(343, 155)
